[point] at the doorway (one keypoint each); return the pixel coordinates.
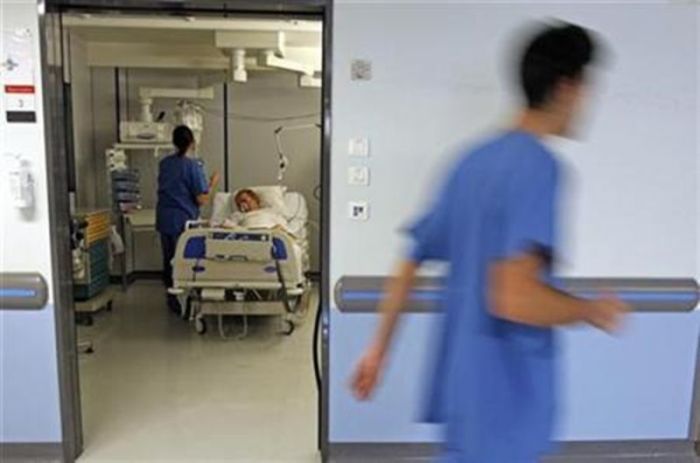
(63, 137)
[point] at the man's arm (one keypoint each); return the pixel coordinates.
(517, 294)
(396, 294)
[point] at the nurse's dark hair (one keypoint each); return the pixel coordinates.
(183, 138)
(555, 52)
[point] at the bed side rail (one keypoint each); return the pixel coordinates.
(239, 246)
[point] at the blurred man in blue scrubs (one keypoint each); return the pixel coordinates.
(494, 223)
(182, 190)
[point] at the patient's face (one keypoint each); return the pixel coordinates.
(247, 202)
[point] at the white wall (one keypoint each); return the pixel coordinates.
(256, 109)
(29, 395)
(440, 81)
(105, 128)
(83, 129)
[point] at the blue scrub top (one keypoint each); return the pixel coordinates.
(493, 384)
(180, 180)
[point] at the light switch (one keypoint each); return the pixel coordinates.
(358, 175)
(358, 210)
(358, 147)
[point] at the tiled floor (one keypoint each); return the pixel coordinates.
(156, 391)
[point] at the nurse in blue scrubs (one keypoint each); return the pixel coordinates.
(182, 190)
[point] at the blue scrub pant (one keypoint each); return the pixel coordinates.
(168, 243)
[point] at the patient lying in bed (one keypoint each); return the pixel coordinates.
(252, 215)
(249, 209)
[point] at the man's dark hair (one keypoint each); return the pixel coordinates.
(182, 139)
(557, 52)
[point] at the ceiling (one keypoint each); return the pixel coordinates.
(191, 42)
(189, 30)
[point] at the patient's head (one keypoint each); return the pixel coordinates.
(247, 200)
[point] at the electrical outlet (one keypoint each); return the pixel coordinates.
(358, 147)
(358, 176)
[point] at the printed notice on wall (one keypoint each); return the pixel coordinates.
(17, 75)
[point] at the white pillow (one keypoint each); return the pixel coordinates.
(221, 208)
(295, 207)
(296, 213)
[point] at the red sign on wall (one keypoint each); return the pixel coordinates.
(20, 89)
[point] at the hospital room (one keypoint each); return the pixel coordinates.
(237, 101)
(349, 231)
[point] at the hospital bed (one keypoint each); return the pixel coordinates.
(221, 271)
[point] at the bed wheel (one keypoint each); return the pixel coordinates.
(200, 325)
(289, 328)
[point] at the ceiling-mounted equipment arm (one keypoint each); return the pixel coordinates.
(148, 94)
(270, 60)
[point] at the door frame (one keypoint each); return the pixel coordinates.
(51, 42)
(49, 12)
(695, 411)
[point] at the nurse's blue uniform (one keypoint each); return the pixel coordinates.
(180, 180)
(493, 384)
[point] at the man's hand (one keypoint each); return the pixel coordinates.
(367, 373)
(517, 294)
(606, 313)
(369, 369)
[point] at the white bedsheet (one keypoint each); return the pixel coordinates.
(262, 218)
(292, 217)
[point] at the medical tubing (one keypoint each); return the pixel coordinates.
(317, 331)
(252, 118)
(194, 270)
(296, 213)
(314, 225)
(285, 296)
